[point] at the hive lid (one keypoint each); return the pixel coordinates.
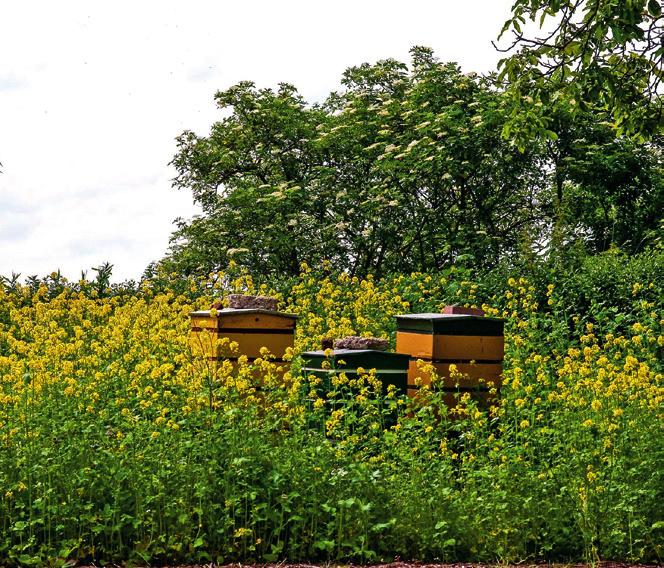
(248, 311)
(349, 352)
(354, 358)
(450, 324)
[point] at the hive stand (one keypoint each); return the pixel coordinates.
(474, 343)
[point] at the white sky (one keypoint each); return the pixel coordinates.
(92, 96)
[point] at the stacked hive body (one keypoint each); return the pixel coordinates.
(472, 343)
(252, 329)
(390, 368)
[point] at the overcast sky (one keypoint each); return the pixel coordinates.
(92, 96)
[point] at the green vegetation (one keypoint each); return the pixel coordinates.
(536, 193)
(593, 54)
(117, 445)
(406, 169)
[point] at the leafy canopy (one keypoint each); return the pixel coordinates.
(604, 54)
(404, 169)
(401, 170)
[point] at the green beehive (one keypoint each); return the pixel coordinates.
(390, 368)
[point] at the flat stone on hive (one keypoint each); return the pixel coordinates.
(355, 342)
(241, 302)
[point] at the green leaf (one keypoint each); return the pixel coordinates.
(655, 8)
(326, 545)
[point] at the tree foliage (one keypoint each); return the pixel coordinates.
(605, 189)
(605, 54)
(404, 168)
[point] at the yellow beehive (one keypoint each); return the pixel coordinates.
(252, 329)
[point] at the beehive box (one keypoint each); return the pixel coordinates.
(252, 329)
(474, 344)
(390, 368)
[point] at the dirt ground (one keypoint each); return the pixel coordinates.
(604, 564)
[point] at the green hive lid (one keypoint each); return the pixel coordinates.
(354, 358)
(248, 311)
(450, 324)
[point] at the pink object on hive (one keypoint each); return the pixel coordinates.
(461, 311)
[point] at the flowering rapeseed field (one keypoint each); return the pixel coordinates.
(117, 443)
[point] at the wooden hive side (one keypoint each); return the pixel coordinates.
(252, 330)
(474, 374)
(419, 345)
(269, 323)
(454, 347)
(390, 368)
(484, 399)
(468, 347)
(202, 321)
(250, 343)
